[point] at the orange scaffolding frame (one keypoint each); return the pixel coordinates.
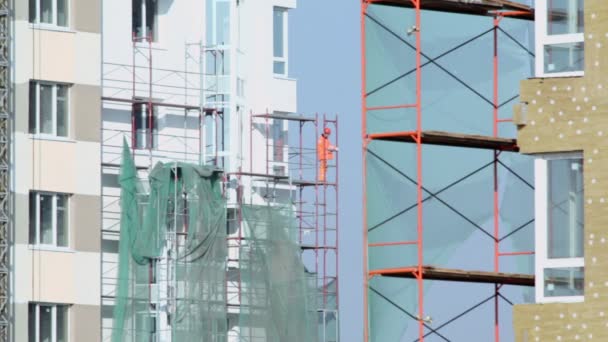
(496, 10)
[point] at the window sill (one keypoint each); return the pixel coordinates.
(50, 27)
(283, 77)
(50, 248)
(562, 74)
(51, 138)
(568, 299)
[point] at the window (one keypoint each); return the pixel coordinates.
(559, 200)
(49, 108)
(49, 220)
(218, 22)
(280, 41)
(48, 322)
(559, 37)
(145, 127)
(49, 12)
(145, 19)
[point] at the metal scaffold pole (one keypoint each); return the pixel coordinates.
(5, 167)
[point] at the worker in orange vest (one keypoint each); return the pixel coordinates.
(324, 153)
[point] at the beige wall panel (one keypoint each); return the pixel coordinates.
(571, 114)
(86, 223)
(86, 112)
(54, 55)
(62, 277)
(86, 321)
(86, 15)
(72, 57)
(70, 167)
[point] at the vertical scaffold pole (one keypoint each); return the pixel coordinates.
(496, 22)
(366, 325)
(419, 189)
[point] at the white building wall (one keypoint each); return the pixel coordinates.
(250, 85)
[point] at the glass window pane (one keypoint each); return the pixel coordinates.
(31, 322)
(222, 23)
(46, 109)
(62, 323)
(564, 57)
(278, 23)
(32, 108)
(32, 11)
(561, 282)
(279, 68)
(45, 323)
(209, 22)
(565, 208)
(46, 11)
(62, 110)
(136, 18)
(62, 220)
(62, 13)
(142, 122)
(46, 219)
(154, 128)
(32, 214)
(151, 14)
(565, 16)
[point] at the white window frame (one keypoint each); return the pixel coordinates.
(285, 58)
(54, 108)
(36, 224)
(54, 24)
(53, 320)
(544, 39)
(542, 261)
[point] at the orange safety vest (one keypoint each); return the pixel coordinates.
(324, 149)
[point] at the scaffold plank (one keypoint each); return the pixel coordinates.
(286, 117)
(445, 274)
(451, 139)
(260, 175)
(304, 182)
(473, 7)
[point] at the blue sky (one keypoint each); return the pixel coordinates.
(325, 58)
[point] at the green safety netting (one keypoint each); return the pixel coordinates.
(171, 279)
(279, 300)
(172, 255)
(458, 216)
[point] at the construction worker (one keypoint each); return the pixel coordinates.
(324, 153)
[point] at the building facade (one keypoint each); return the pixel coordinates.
(57, 186)
(562, 124)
